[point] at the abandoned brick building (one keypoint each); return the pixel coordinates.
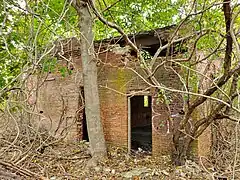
(131, 110)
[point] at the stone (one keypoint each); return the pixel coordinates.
(135, 172)
(97, 169)
(113, 171)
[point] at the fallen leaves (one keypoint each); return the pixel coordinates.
(69, 161)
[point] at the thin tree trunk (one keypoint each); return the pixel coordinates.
(92, 105)
(181, 150)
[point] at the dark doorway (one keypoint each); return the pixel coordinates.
(82, 114)
(141, 122)
(84, 127)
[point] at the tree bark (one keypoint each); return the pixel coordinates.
(181, 150)
(92, 105)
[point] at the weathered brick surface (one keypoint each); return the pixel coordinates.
(118, 78)
(162, 127)
(209, 69)
(57, 102)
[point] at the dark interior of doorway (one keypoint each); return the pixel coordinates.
(84, 128)
(141, 123)
(84, 121)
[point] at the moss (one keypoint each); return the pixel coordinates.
(121, 80)
(116, 79)
(194, 144)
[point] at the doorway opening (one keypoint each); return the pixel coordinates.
(82, 115)
(84, 127)
(141, 123)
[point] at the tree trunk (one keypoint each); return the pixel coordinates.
(181, 150)
(92, 106)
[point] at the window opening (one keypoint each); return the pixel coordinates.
(146, 103)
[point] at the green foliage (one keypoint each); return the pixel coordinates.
(27, 34)
(194, 80)
(164, 97)
(146, 55)
(50, 65)
(139, 15)
(63, 71)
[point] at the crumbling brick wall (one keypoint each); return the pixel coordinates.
(209, 69)
(162, 127)
(119, 76)
(117, 79)
(56, 101)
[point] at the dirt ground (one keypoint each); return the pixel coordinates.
(68, 161)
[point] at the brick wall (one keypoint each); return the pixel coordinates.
(118, 78)
(162, 127)
(116, 81)
(209, 69)
(56, 100)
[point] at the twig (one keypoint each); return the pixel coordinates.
(22, 171)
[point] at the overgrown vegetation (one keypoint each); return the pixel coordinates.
(210, 64)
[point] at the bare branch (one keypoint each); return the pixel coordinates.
(228, 52)
(234, 36)
(112, 5)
